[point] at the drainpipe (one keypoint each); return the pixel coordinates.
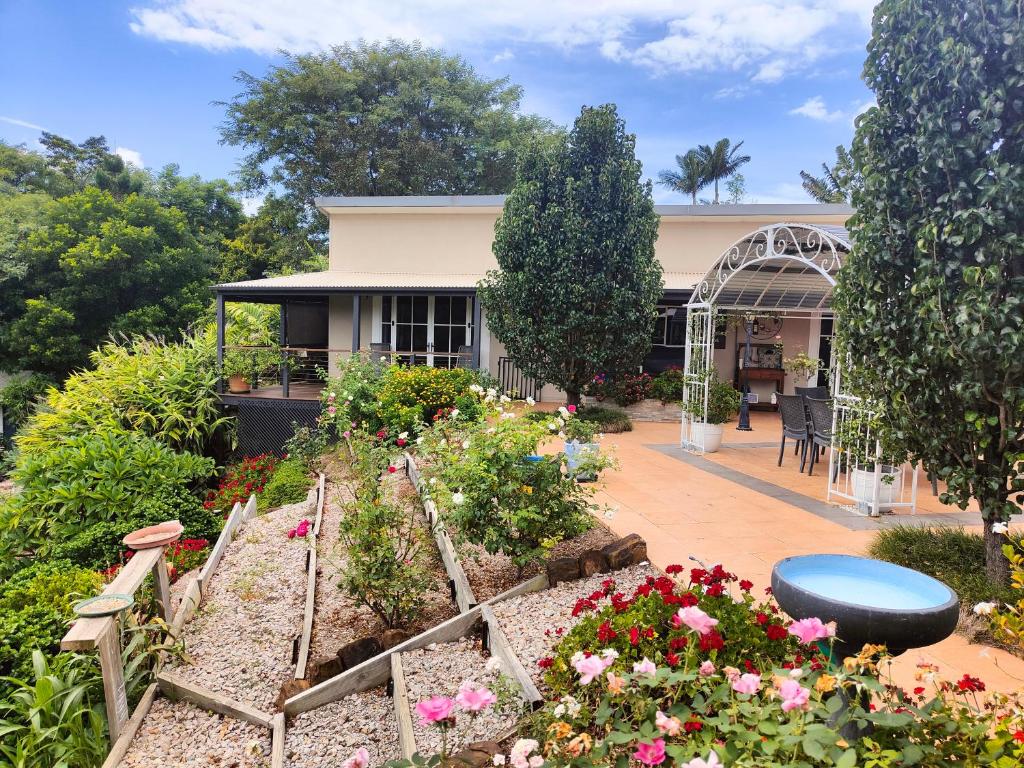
(220, 342)
(283, 342)
(476, 333)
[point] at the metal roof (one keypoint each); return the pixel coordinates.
(332, 281)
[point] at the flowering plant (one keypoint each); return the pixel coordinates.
(625, 390)
(184, 555)
(241, 481)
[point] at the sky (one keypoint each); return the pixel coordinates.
(783, 76)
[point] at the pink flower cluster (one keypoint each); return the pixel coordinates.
(810, 630)
(695, 619)
(794, 695)
(589, 666)
(300, 530)
(359, 759)
(439, 710)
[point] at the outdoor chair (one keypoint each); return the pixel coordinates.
(465, 358)
(821, 428)
(794, 426)
(818, 393)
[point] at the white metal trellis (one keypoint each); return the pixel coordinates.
(699, 348)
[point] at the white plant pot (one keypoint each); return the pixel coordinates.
(889, 493)
(708, 434)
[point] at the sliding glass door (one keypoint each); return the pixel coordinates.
(426, 330)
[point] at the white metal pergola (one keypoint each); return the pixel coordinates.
(789, 270)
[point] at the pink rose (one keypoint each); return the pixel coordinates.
(670, 726)
(695, 619)
(748, 683)
(359, 759)
(332, 410)
(650, 753)
(291, 534)
(645, 667)
(346, 434)
(809, 630)
(707, 668)
(711, 762)
(794, 695)
(435, 709)
(475, 699)
(571, 409)
(589, 667)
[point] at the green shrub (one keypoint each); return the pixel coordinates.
(289, 484)
(627, 389)
(19, 396)
(610, 420)
(952, 555)
(668, 386)
(723, 401)
(88, 479)
(308, 445)
(35, 608)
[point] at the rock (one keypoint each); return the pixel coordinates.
(289, 689)
(592, 561)
(476, 755)
(389, 638)
(358, 651)
(325, 668)
(627, 551)
(563, 569)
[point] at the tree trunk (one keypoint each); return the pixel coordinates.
(997, 567)
(694, 196)
(572, 397)
(716, 191)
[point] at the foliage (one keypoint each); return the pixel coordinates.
(952, 555)
(35, 609)
(273, 242)
(835, 185)
(932, 298)
(669, 386)
(55, 719)
(625, 389)
(492, 496)
(689, 179)
(248, 324)
(19, 396)
(240, 481)
(720, 161)
(89, 479)
(98, 265)
(385, 557)
(289, 484)
(802, 365)
(707, 164)
(186, 555)
(611, 420)
(723, 401)
(578, 283)
(1008, 619)
(580, 429)
(308, 445)
(164, 391)
(376, 119)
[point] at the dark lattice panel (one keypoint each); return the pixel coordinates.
(265, 425)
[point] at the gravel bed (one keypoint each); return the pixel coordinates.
(176, 734)
(325, 737)
(239, 642)
(439, 670)
(525, 619)
(181, 586)
(490, 575)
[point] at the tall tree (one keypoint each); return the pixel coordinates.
(931, 301)
(721, 161)
(835, 184)
(689, 178)
(377, 119)
(577, 287)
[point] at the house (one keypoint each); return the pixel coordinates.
(402, 278)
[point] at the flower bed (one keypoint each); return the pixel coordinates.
(325, 737)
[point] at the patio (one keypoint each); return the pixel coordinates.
(738, 508)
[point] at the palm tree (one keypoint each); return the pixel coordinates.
(835, 185)
(721, 161)
(689, 179)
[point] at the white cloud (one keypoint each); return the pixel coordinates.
(732, 92)
(763, 39)
(503, 56)
(815, 109)
(21, 123)
(130, 156)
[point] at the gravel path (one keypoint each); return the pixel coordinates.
(180, 735)
(325, 737)
(490, 575)
(440, 670)
(240, 641)
(525, 619)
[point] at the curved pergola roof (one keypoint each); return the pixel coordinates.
(777, 267)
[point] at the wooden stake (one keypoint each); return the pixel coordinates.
(109, 647)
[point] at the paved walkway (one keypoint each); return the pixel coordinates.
(737, 508)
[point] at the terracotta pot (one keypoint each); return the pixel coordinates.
(238, 384)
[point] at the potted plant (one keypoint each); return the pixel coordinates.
(859, 436)
(581, 450)
(803, 367)
(242, 367)
(723, 405)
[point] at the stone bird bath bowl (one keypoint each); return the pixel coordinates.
(871, 601)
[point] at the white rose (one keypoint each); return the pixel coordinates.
(403, 435)
(458, 498)
(564, 411)
(1000, 527)
(455, 412)
(498, 759)
(984, 609)
(552, 426)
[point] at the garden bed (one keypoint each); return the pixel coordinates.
(325, 737)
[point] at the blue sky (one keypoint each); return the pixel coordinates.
(781, 75)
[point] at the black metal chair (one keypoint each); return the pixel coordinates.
(821, 427)
(818, 393)
(794, 426)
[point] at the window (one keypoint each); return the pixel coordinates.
(426, 329)
(670, 327)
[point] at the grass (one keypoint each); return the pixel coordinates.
(952, 555)
(610, 419)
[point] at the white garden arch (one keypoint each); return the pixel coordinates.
(781, 270)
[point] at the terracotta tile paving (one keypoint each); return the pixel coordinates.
(682, 509)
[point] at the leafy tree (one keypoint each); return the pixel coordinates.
(25, 172)
(98, 265)
(835, 184)
(931, 301)
(736, 188)
(377, 119)
(720, 161)
(578, 282)
(689, 179)
(273, 242)
(77, 163)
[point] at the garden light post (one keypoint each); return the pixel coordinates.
(744, 425)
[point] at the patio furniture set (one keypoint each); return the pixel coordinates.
(806, 419)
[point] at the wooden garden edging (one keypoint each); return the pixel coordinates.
(403, 710)
(462, 592)
(177, 688)
(498, 645)
(120, 747)
(307, 617)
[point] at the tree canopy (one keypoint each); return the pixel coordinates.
(707, 164)
(577, 285)
(931, 301)
(835, 184)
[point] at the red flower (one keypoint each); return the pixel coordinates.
(712, 641)
(697, 575)
(692, 725)
(672, 570)
(688, 599)
(715, 590)
(919, 690)
(643, 589)
(606, 633)
(392, 468)
(671, 659)
(746, 585)
(583, 604)
(775, 632)
(768, 590)
(761, 618)
(634, 636)
(969, 683)
(546, 662)
(1018, 736)
(677, 643)
(400, 441)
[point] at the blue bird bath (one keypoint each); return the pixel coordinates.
(871, 601)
